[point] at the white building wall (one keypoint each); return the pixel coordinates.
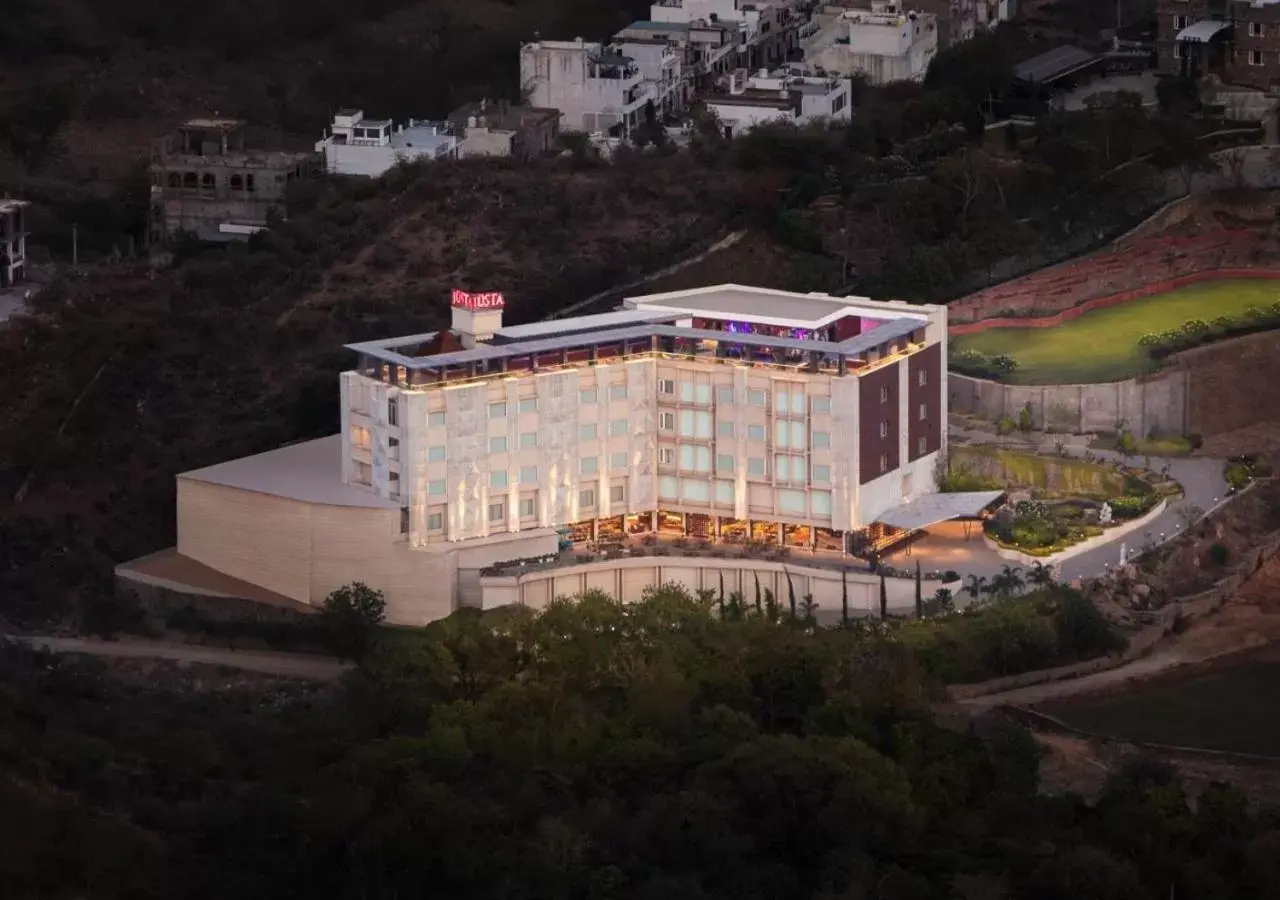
(742, 118)
(884, 48)
(347, 159)
(556, 76)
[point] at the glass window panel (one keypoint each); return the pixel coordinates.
(588, 465)
(821, 474)
(702, 459)
(668, 487)
(528, 474)
(702, 393)
(618, 460)
(436, 453)
(436, 488)
(498, 478)
(686, 423)
(724, 429)
(820, 502)
(790, 501)
(724, 491)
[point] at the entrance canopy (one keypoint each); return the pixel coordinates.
(934, 508)
(1203, 31)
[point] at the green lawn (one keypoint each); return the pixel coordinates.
(1102, 345)
(1235, 709)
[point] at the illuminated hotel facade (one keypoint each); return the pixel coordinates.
(724, 413)
(721, 412)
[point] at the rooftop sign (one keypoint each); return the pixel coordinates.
(465, 300)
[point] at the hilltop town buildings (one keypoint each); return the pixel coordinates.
(780, 97)
(355, 145)
(13, 241)
(1237, 40)
(885, 43)
(205, 181)
(498, 128)
(721, 413)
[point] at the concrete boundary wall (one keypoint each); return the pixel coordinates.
(1146, 290)
(1152, 404)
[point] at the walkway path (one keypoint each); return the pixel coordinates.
(287, 665)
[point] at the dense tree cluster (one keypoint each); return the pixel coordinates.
(595, 751)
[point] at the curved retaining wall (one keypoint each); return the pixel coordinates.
(1147, 290)
(1054, 559)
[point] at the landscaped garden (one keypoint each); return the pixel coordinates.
(1055, 502)
(1121, 341)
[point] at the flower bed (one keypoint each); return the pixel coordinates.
(1198, 332)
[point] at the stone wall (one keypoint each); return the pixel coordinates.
(1152, 404)
(1231, 385)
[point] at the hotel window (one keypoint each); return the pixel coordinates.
(436, 488)
(394, 484)
(1256, 29)
(617, 460)
(755, 398)
(755, 433)
(668, 487)
(435, 420)
(702, 394)
(359, 437)
(666, 386)
(497, 445)
(496, 511)
(724, 462)
(922, 446)
(724, 396)
(884, 394)
(528, 440)
(617, 493)
(922, 377)
(404, 520)
(497, 410)
(821, 439)
(435, 521)
(1180, 22)
(666, 456)
(695, 490)
(821, 474)
(686, 392)
(587, 396)
(820, 502)
(529, 406)
(528, 474)
(392, 412)
(1256, 58)
(884, 429)
(793, 502)
(695, 459)
(821, 404)
(789, 434)
(755, 467)
(618, 392)
(724, 430)
(924, 411)
(587, 432)
(724, 492)
(528, 507)
(588, 465)
(618, 428)
(666, 421)
(694, 423)
(1179, 51)
(393, 442)
(884, 463)
(587, 499)
(498, 479)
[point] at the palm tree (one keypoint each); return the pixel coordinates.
(884, 599)
(737, 604)
(809, 607)
(759, 608)
(974, 586)
(721, 601)
(770, 605)
(1009, 581)
(791, 595)
(1040, 575)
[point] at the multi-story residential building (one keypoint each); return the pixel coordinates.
(595, 86)
(1237, 40)
(355, 145)
(661, 65)
(798, 420)
(968, 18)
(204, 181)
(13, 241)
(780, 97)
(885, 43)
(710, 49)
(498, 128)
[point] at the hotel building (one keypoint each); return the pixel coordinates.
(724, 413)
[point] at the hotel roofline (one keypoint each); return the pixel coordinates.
(652, 317)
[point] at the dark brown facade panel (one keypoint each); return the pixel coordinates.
(924, 380)
(879, 405)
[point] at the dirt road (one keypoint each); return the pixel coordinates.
(286, 665)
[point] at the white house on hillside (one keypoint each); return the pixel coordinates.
(359, 146)
(780, 97)
(595, 87)
(884, 43)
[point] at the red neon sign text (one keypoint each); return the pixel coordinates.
(465, 300)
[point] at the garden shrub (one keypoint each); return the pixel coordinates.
(980, 365)
(1131, 507)
(1196, 332)
(1006, 425)
(1025, 419)
(1219, 554)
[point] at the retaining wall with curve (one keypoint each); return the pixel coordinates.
(1149, 404)
(1074, 312)
(1157, 624)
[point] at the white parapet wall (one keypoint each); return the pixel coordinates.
(626, 579)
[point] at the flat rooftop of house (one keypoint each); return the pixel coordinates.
(213, 124)
(646, 25)
(753, 97)
(248, 159)
(424, 137)
(658, 315)
(310, 472)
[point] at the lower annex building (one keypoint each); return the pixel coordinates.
(722, 413)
